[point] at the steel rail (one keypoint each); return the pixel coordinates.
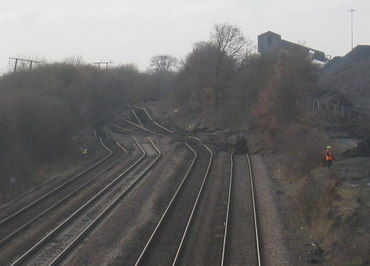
(88, 229)
(121, 146)
(96, 134)
(138, 126)
(174, 197)
(150, 119)
(39, 244)
(228, 208)
(192, 137)
(194, 207)
(55, 205)
(157, 124)
(131, 122)
(122, 129)
(137, 118)
(12, 216)
(258, 252)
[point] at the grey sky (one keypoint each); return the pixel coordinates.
(132, 31)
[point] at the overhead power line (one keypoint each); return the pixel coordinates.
(16, 59)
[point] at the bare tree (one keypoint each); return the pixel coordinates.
(229, 40)
(231, 48)
(75, 60)
(161, 63)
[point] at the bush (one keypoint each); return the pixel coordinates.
(301, 149)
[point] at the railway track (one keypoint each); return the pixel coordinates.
(52, 248)
(121, 236)
(24, 227)
(224, 229)
(136, 117)
(204, 241)
(31, 211)
(10, 218)
(144, 118)
(204, 215)
(163, 245)
(130, 126)
(241, 243)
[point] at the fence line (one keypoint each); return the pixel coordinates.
(320, 106)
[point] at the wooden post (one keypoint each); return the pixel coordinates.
(15, 65)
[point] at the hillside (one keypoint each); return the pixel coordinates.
(327, 208)
(350, 76)
(335, 203)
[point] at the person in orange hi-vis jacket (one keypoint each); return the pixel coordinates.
(329, 157)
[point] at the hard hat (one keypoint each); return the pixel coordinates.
(328, 147)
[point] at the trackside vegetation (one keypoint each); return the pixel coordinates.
(44, 110)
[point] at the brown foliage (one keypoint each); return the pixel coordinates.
(289, 78)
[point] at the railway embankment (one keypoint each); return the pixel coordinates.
(310, 215)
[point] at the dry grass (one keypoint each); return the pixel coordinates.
(336, 218)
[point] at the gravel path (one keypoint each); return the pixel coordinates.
(273, 250)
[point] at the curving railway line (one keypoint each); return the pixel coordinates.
(56, 244)
(133, 127)
(72, 180)
(22, 219)
(162, 199)
(144, 118)
(24, 226)
(61, 239)
(211, 231)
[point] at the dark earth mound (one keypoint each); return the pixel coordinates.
(362, 150)
(350, 76)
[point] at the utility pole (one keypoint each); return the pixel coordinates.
(103, 62)
(352, 11)
(31, 62)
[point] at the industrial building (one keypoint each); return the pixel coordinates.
(270, 43)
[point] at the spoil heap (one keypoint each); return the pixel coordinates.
(350, 76)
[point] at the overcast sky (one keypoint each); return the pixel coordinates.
(132, 31)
